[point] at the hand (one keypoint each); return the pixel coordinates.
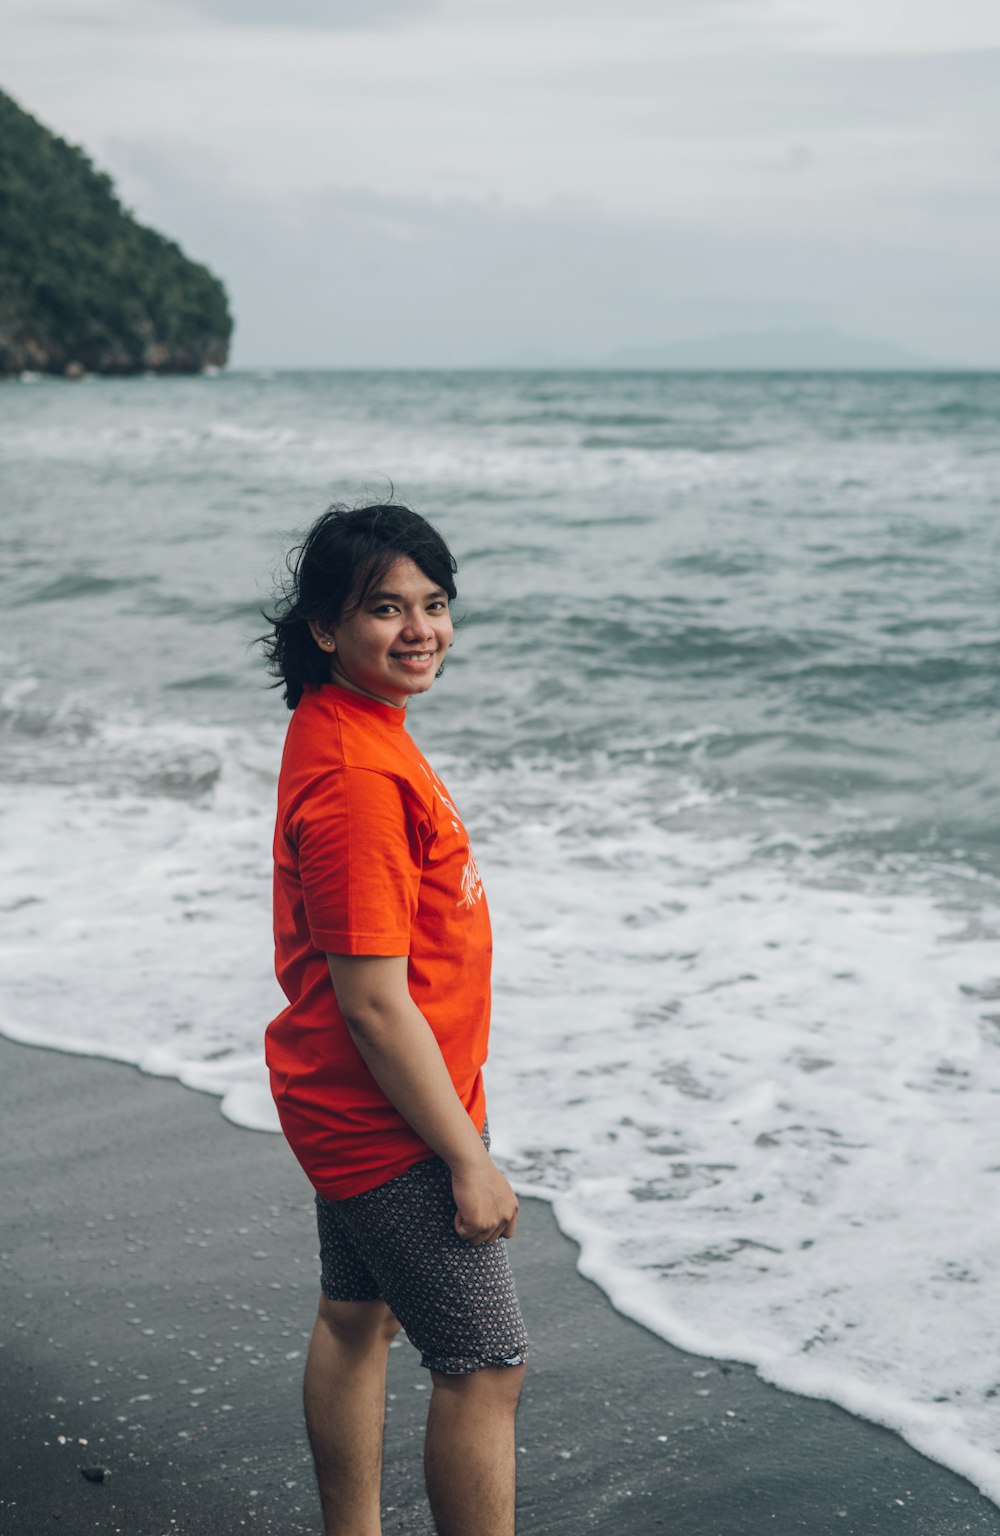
(487, 1206)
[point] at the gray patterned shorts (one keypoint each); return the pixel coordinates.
(397, 1243)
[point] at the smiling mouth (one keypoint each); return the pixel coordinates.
(412, 655)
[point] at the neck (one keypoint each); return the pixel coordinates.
(343, 681)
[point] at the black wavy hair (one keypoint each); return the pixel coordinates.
(344, 555)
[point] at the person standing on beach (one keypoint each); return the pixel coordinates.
(383, 950)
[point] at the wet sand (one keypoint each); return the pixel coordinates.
(158, 1282)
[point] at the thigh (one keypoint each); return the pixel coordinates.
(456, 1301)
(344, 1274)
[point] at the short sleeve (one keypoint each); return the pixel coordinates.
(359, 864)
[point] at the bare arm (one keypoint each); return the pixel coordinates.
(400, 1051)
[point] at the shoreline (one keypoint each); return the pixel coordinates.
(158, 1274)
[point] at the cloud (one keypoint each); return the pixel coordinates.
(316, 15)
(143, 16)
(347, 278)
(798, 158)
(668, 153)
(888, 26)
(32, 25)
(472, 107)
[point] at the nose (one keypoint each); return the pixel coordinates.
(417, 627)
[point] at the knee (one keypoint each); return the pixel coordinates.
(360, 1324)
(508, 1383)
(493, 1387)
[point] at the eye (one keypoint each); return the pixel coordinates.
(437, 605)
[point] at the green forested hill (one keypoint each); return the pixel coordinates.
(82, 285)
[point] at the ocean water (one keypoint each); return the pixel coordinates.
(723, 720)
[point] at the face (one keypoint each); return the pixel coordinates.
(392, 646)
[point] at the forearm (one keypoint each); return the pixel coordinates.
(400, 1051)
(399, 1048)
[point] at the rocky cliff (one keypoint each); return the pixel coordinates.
(83, 287)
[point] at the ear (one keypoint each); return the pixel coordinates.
(323, 640)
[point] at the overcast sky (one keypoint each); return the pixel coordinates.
(431, 182)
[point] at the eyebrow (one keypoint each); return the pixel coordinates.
(397, 597)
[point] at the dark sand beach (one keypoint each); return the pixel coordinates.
(158, 1285)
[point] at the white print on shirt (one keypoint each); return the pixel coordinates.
(472, 885)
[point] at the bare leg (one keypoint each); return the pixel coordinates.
(345, 1411)
(469, 1455)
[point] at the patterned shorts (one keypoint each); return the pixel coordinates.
(397, 1243)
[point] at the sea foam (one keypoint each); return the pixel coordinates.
(759, 1099)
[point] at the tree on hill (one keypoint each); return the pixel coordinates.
(82, 284)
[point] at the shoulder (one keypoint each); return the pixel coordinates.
(338, 753)
(314, 732)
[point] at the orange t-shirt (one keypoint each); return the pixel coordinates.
(370, 858)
